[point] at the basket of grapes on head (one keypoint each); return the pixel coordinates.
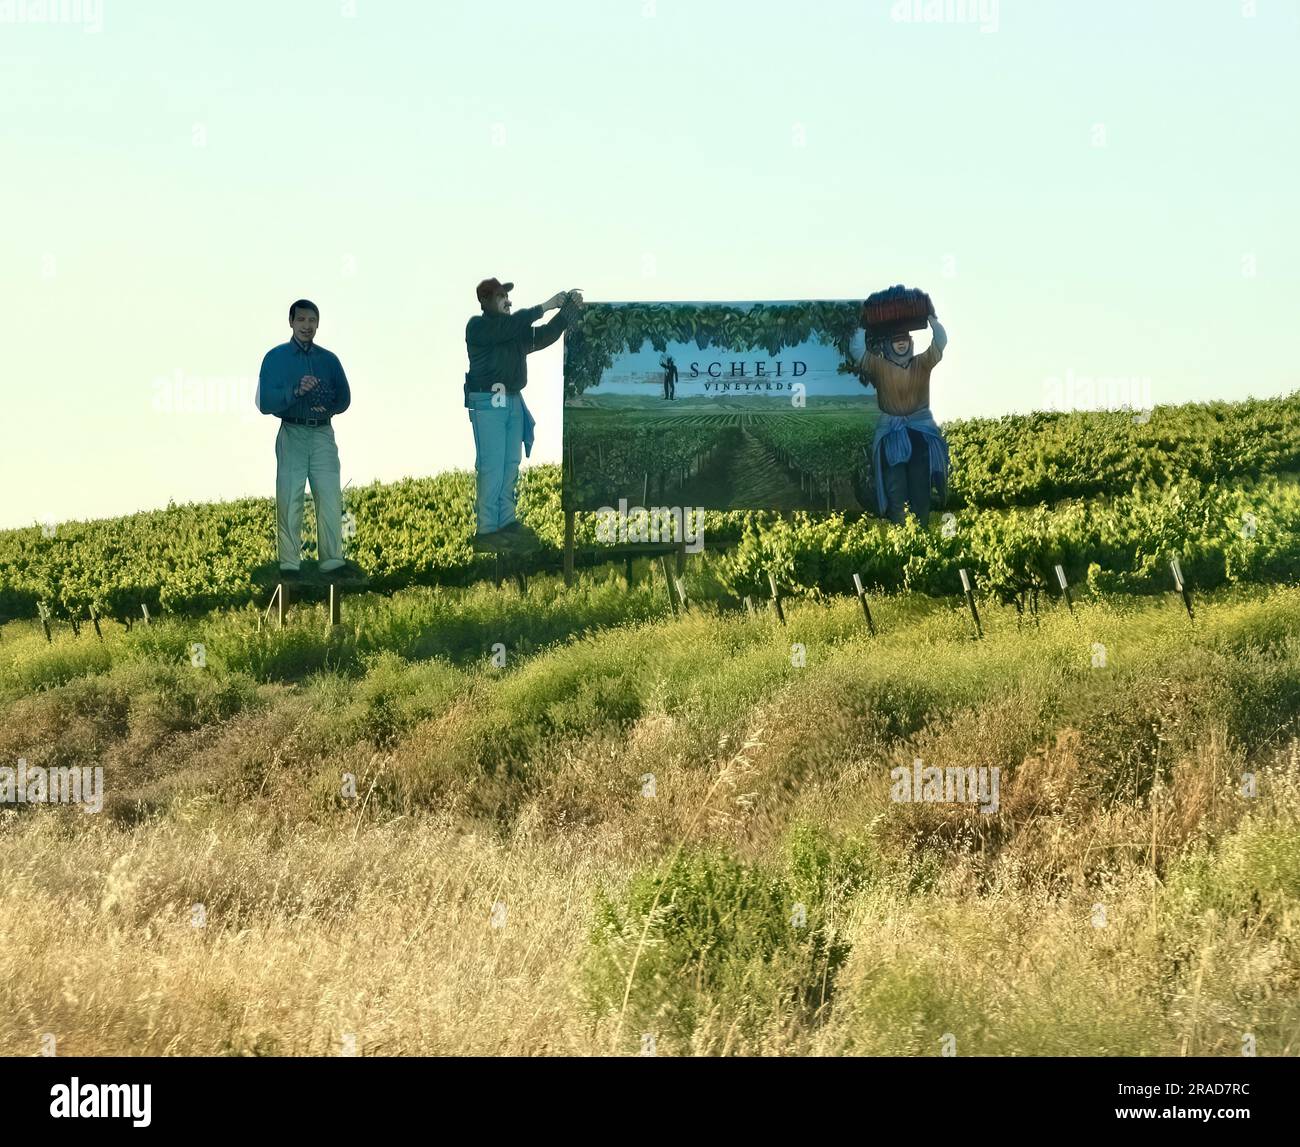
(895, 310)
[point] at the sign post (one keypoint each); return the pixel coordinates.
(569, 516)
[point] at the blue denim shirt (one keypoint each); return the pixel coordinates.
(282, 370)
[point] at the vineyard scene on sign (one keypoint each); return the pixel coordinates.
(726, 406)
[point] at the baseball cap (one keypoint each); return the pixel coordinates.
(490, 287)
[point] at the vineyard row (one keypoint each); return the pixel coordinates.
(198, 557)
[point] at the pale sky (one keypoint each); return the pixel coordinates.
(1089, 189)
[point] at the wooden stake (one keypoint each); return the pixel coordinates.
(1065, 587)
(1181, 586)
(336, 605)
(862, 597)
(776, 598)
(44, 613)
(94, 620)
(970, 600)
(278, 603)
(668, 582)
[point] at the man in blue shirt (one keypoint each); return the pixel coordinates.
(498, 343)
(304, 385)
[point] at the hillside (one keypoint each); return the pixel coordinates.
(473, 820)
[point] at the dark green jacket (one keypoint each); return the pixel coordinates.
(499, 346)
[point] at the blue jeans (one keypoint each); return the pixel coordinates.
(498, 447)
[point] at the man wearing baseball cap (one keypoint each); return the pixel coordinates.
(499, 342)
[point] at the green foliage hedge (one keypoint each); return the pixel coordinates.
(1183, 483)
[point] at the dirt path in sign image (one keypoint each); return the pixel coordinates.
(743, 474)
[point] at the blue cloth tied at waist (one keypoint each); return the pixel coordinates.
(892, 435)
(530, 426)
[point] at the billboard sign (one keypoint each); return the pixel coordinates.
(724, 406)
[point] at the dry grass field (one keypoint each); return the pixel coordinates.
(667, 835)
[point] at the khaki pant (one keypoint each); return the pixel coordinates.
(308, 454)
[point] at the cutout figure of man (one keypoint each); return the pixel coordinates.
(909, 453)
(498, 343)
(670, 376)
(304, 386)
